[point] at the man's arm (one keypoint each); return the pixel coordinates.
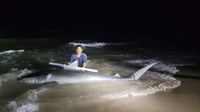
(84, 65)
(85, 61)
(70, 60)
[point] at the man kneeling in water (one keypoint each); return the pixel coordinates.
(80, 56)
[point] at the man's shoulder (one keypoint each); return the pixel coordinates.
(73, 55)
(84, 54)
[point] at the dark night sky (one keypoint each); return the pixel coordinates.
(152, 19)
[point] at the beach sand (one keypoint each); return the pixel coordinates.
(185, 98)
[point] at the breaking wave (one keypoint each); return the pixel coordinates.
(28, 105)
(13, 74)
(156, 82)
(5, 56)
(159, 66)
(94, 44)
(11, 51)
(160, 78)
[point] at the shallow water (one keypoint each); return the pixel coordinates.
(20, 57)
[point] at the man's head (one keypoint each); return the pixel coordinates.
(79, 49)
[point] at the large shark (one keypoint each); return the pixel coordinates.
(74, 76)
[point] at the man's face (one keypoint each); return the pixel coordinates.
(79, 50)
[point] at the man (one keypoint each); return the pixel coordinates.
(80, 56)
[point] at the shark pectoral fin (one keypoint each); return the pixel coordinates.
(117, 75)
(74, 64)
(140, 72)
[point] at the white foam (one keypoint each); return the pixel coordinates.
(28, 108)
(161, 82)
(14, 69)
(150, 83)
(24, 72)
(94, 44)
(6, 56)
(13, 74)
(154, 83)
(28, 105)
(159, 66)
(12, 51)
(12, 106)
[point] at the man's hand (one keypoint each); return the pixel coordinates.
(67, 63)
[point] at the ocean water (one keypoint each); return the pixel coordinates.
(20, 57)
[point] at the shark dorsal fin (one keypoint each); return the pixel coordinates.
(74, 64)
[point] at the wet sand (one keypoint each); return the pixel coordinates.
(185, 98)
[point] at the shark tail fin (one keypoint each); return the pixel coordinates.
(140, 72)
